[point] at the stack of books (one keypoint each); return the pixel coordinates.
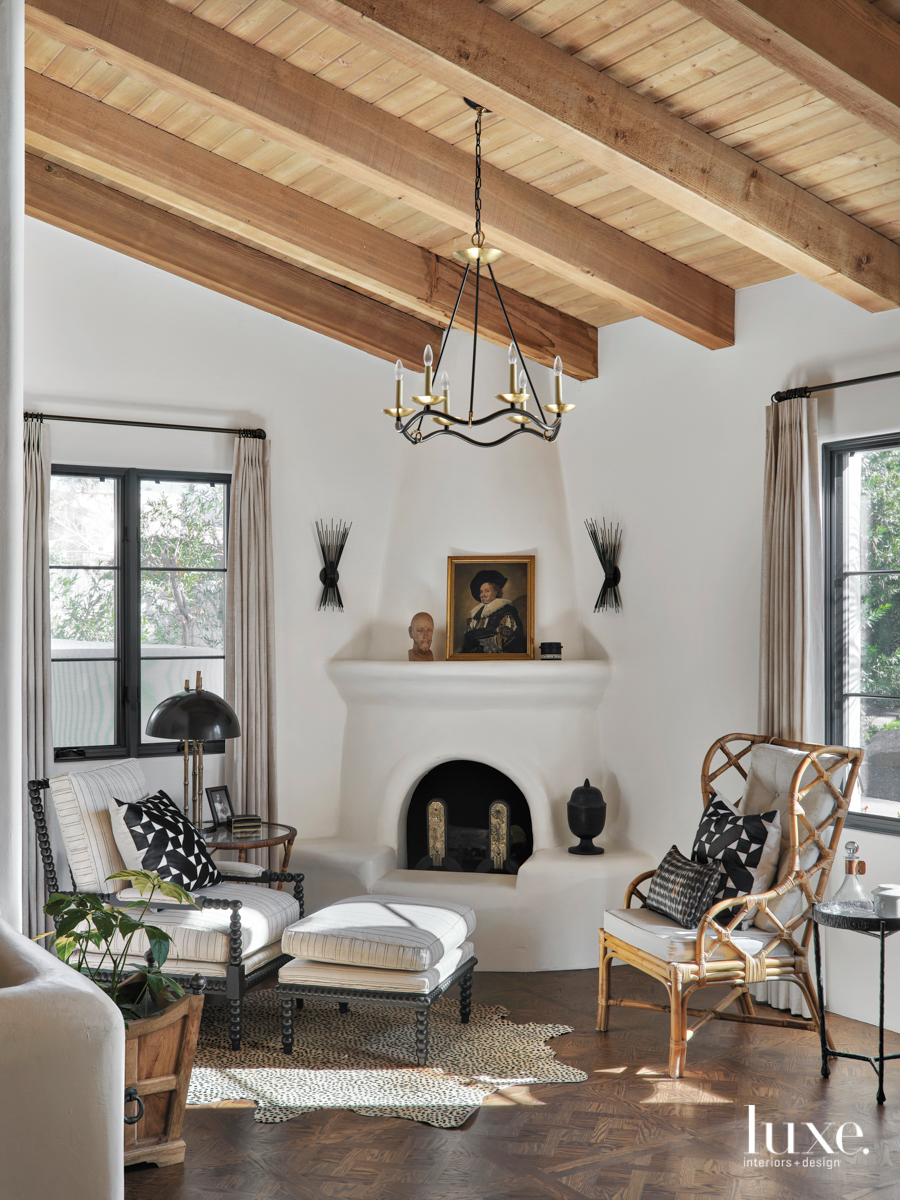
(246, 827)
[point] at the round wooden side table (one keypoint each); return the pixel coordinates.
(857, 922)
(270, 835)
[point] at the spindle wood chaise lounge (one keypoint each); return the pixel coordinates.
(232, 938)
(810, 785)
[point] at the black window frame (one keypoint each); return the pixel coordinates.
(129, 721)
(833, 456)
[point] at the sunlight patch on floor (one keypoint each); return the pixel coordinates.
(510, 1097)
(683, 1091)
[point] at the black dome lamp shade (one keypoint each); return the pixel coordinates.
(194, 717)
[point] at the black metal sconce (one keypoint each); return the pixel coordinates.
(332, 540)
(607, 543)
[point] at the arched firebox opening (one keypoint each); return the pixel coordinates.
(468, 789)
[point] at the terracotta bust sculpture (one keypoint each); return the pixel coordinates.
(421, 630)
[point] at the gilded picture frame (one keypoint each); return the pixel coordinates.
(490, 607)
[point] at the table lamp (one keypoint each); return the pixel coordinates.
(194, 717)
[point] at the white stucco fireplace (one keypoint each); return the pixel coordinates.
(538, 723)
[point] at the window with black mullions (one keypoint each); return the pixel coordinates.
(144, 612)
(861, 485)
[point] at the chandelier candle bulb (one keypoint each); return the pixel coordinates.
(445, 407)
(398, 410)
(512, 366)
(557, 379)
(428, 359)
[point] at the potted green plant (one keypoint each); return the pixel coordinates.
(161, 1022)
(84, 924)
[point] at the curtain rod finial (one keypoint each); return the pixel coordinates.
(798, 393)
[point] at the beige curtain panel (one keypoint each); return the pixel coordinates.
(791, 644)
(37, 727)
(791, 635)
(249, 635)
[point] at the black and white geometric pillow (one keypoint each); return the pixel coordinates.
(681, 889)
(154, 835)
(746, 849)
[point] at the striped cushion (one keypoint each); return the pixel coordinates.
(202, 935)
(212, 970)
(402, 933)
(82, 806)
(338, 975)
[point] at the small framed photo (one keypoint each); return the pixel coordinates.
(219, 805)
(490, 607)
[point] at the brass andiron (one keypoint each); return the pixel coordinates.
(499, 860)
(437, 858)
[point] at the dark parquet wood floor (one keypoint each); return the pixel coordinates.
(629, 1133)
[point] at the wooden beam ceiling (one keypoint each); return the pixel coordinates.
(158, 43)
(142, 231)
(845, 49)
(473, 50)
(131, 155)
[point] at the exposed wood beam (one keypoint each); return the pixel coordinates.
(470, 48)
(168, 48)
(846, 49)
(140, 230)
(129, 154)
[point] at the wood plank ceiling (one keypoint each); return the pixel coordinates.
(315, 157)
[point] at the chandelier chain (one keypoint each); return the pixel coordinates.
(478, 176)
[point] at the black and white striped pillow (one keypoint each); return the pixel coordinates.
(681, 889)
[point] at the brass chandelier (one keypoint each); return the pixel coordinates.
(409, 421)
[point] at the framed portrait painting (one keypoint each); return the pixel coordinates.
(490, 607)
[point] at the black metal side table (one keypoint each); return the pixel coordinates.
(868, 923)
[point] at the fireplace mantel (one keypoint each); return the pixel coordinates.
(472, 685)
(537, 722)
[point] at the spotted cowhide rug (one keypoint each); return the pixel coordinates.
(363, 1060)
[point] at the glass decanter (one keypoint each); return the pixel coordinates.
(850, 896)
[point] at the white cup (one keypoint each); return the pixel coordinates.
(887, 900)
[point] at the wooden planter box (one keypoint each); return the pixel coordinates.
(159, 1055)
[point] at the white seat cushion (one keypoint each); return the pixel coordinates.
(212, 970)
(82, 801)
(772, 769)
(664, 938)
(394, 932)
(376, 979)
(202, 935)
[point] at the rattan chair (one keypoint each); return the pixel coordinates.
(811, 785)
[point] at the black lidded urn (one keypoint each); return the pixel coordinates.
(586, 811)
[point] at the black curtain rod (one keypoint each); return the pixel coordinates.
(244, 433)
(803, 392)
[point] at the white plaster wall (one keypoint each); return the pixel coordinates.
(671, 440)
(109, 336)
